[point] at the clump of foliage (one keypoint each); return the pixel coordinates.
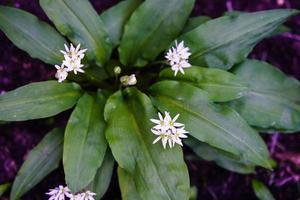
(220, 98)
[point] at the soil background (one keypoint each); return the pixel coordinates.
(17, 68)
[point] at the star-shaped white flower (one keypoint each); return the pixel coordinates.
(161, 123)
(73, 65)
(165, 137)
(180, 66)
(59, 193)
(168, 130)
(61, 73)
(172, 56)
(178, 57)
(75, 196)
(178, 134)
(73, 53)
(87, 195)
(183, 52)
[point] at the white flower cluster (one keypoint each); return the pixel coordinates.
(72, 62)
(168, 130)
(178, 57)
(61, 193)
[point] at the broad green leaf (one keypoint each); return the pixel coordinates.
(41, 160)
(162, 171)
(261, 191)
(38, 100)
(115, 18)
(222, 158)
(151, 29)
(217, 125)
(103, 176)
(85, 144)
(194, 22)
(228, 40)
(273, 101)
(127, 186)
(4, 187)
(221, 85)
(78, 20)
(277, 31)
(30, 34)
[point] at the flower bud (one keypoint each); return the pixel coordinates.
(128, 80)
(117, 70)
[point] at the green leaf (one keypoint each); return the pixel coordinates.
(30, 34)
(277, 31)
(115, 18)
(194, 22)
(193, 193)
(151, 29)
(103, 176)
(127, 186)
(261, 191)
(38, 100)
(225, 41)
(4, 187)
(85, 144)
(221, 85)
(273, 101)
(217, 125)
(222, 158)
(81, 24)
(41, 160)
(162, 172)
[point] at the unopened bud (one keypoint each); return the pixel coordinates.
(132, 80)
(117, 70)
(128, 80)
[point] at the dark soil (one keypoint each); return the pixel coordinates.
(17, 68)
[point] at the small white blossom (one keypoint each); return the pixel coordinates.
(168, 130)
(128, 80)
(61, 73)
(178, 57)
(180, 66)
(87, 195)
(73, 65)
(59, 193)
(132, 80)
(73, 53)
(178, 134)
(75, 196)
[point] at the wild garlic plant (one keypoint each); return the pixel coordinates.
(152, 80)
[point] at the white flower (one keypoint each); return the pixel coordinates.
(164, 137)
(178, 134)
(73, 53)
(75, 196)
(172, 56)
(182, 51)
(72, 62)
(128, 80)
(168, 130)
(73, 65)
(87, 195)
(160, 123)
(180, 66)
(132, 79)
(73, 57)
(61, 73)
(59, 193)
(178, 57)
